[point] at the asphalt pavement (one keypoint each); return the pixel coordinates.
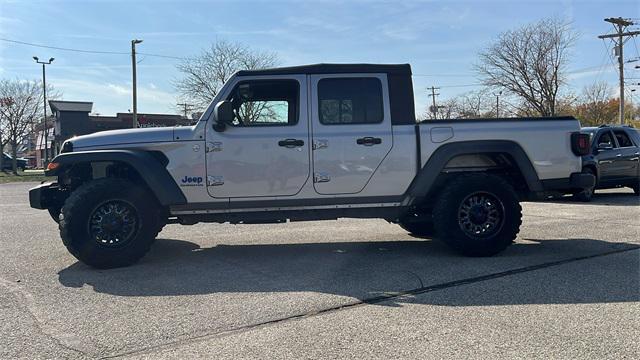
(568, 288)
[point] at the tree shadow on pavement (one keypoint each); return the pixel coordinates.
(366, 270)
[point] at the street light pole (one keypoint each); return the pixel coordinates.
(135, 95)
(44, 97)
(498, 104)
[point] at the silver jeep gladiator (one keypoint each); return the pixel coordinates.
(315, 142)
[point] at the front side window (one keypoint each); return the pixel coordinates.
(606, 138)
(623, 138)
(350, 101)
(265, 103)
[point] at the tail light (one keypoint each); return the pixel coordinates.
(580, 144)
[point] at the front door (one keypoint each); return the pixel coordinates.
(607, 158)
(265, 151)
(351, 129)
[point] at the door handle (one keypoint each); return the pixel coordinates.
(368, 141)
(291, 143)
(618, 155)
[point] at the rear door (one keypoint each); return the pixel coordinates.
(629, 154)
(351, 130)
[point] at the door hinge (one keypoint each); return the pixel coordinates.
(215, 180)
(214, 146)
(320, 144)
(321, 177)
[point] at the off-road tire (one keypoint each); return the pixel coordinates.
(76, 215)
(54, 212)
(446, 214)
(423, 228)
(587, 194)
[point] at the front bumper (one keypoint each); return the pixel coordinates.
(45, 195)
(582, 180)
(576, 181)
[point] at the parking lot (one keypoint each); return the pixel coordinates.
(568, 288)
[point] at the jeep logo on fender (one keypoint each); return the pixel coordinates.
(192, 181)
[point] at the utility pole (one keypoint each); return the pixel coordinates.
(186, 108)
(135, 94)
(434, 108)
(620, 25)
(498, 103)
(44, 97)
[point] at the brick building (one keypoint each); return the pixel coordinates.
(72, 118)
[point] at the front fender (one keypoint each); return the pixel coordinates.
(150, 168)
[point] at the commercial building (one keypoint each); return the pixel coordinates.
(72, 118)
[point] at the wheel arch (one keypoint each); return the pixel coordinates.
(148, 167)
(593, 165)
(480, 151)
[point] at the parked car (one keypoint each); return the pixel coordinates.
(614, 159)
(316, 142)
(7, 162)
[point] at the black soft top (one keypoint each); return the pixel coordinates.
(395, 69)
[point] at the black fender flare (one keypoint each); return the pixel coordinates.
(591, 161)
(148, 166)
(427, 176)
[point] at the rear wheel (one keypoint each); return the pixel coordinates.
(586, 194)
(478, 215)
(108, 223)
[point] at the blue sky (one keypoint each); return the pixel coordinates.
(440, 39)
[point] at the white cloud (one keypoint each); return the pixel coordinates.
(111, 98)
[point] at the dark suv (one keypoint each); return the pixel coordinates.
(7, 162)
(614, 159)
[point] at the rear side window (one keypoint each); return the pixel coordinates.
(350, 101)
(623, 138)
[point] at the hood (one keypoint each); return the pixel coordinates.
(124, 136)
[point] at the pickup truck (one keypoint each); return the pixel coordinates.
(314, 142)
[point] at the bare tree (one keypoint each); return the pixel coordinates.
(20, 107)
(204, 75)
(530, 62)
(476, 104)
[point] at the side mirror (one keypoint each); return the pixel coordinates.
(224, 115)
(605, 146)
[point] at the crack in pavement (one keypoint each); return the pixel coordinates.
(29, 304)
(369, 301)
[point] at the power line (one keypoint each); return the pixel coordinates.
(65, 49)
(620, 25)
(88, 51)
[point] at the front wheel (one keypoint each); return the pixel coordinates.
(108, 223)
(585, 195)
(478, 215)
